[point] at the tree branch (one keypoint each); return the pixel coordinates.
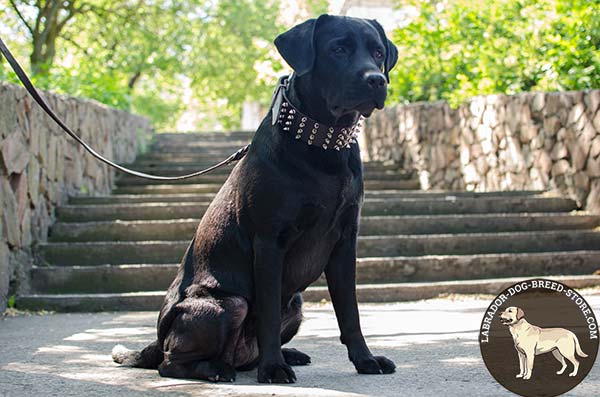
(21, 17)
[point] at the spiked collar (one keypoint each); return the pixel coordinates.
(303, 128)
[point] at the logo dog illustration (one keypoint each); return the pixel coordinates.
(531, 340)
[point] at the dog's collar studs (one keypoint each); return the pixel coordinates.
(317, 134)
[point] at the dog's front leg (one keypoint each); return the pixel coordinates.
(341, 281)
(529, 359)
(268, 262)
(521, 364)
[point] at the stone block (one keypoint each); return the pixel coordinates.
(575, 113)
(593, 167)
(595, 147)
(578, 151)
(551, 125)
(552, 101)
(528, 132)
(15, 154)
(33, 181)
(470, 174)
(10, 223)
(490, 117)
(525, 114)
(484, 132)
(561, 167)
(543, 161)
(481, 165)
(592, 101)
(51, 158)
(593, 198)
(4, 275)
(465, 155)
(596, 121)
(25, 228)
(476, 151)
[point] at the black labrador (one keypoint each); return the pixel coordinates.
(288, 212)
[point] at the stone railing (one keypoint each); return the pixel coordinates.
(40, 167)
(535, 140)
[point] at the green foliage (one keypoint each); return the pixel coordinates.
(224, 65)
(151, 56)
(12, 302)
(457, 49)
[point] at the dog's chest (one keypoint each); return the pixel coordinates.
(323, 222)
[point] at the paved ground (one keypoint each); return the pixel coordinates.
(434, 344)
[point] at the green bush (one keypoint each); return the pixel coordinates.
(457, 49)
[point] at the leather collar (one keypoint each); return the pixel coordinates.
(306, 129)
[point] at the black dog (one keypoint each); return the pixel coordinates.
(287, 213)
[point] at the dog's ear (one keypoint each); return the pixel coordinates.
(520, 313)
(391, 52)
(297, 45)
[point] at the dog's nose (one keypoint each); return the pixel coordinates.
(375, 80)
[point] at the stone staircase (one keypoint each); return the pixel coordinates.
(120, 252)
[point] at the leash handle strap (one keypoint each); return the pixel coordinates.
(44, 105)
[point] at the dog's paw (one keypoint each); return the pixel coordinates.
(527, 376)
(276, 373)
(375, 365)
(295, 357)
(221, 372)
(519, 376)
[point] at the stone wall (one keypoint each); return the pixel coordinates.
(535, 140)
(40, 166)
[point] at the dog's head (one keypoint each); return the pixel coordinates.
(347, 59)
(511, 315)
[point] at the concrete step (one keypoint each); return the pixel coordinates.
(169, 188)
(397, 206)
(128, 180)
(141, 186)
(190, 161)
(137, 211)
(200, 144)
(370, 171)
(153, 277)
(380, 194)
(396, 292)
(203, 149)
(170, 157)
(175, 229)
(110, 252)
(204, 135)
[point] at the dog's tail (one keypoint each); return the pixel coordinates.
(150, 357)
(578, 348)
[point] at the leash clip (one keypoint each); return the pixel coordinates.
(282, 85)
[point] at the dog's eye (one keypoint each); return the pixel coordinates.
(378, 54)
(338, 50)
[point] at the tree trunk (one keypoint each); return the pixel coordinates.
(51, 18)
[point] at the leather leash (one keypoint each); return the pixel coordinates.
(44, 105)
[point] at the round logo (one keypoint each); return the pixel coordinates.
(539, 338)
